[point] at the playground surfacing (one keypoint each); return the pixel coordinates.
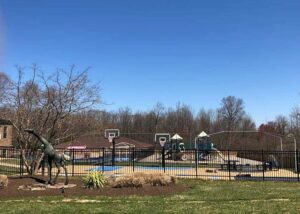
(205, 173)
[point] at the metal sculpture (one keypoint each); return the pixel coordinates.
(52, 156)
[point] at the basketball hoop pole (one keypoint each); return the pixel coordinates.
(113, 155)
(114, 152)
(111, 135)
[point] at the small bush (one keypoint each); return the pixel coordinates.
(94, 180)
(141, 179)
(3, 181)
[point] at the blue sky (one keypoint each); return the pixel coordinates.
(195, 52)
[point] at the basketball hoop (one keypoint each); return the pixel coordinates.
(111, 138)
(114, 133)
(162, 138)
(162, 141)
(111, 134)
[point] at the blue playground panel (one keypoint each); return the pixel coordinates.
(105, 168)
(162, 168)
(122, 159)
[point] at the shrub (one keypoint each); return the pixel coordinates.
(3, 181)
(141, 179)
(94, 180)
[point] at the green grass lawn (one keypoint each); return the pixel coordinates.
(201, 197)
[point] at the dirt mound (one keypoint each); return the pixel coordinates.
(12, 192)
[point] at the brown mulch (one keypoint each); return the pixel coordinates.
(12, 192)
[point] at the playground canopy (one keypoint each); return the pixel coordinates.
(176, 137)
(203, 134)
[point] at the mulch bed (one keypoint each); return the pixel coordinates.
(12, 192)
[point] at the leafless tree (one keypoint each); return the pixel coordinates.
(282, 125)
(5, 87)
(231, 113)
(47, 104)
(158, 112)
(125, 119)
(205, 120)
(295, 120)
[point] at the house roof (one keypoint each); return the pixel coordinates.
(90, 142)
(5, 122)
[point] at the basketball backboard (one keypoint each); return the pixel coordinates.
(111, 133)
(162, 138)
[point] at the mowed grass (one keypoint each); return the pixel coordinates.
(201, 197)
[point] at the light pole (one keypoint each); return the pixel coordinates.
(292, 136)
(296, 161)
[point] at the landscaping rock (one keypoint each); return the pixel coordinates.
(40, 187)
(3, 181)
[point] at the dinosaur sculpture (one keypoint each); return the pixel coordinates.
(52, 156)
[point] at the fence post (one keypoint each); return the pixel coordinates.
(103, 159)
(73, 161)
(263, 163)
(99, 157)
(21, 164)
(43, 167)
(113, 155)
(297, 165)
(196, 162)
(163, 159)
(133, 157)
(228, 165)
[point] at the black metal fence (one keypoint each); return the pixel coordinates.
(215, 165)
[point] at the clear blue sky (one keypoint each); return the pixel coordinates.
(195, 52)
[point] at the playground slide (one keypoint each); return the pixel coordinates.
(219, 153)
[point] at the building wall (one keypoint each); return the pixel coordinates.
(6, 142)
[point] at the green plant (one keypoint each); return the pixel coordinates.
(94, 180)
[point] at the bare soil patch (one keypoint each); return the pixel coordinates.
(12, 192)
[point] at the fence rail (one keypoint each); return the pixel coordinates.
(214, 165)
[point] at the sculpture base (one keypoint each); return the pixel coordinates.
(41, 187)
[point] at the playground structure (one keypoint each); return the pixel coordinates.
(206, 151)
(205, 147)
(173, 148)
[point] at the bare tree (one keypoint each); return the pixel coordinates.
(282, 125)
(295, 120)
(158, 112)
(247, 124)
(231, 113)
(47, 104)
(204, 120)
(125, 119)
(5, 87)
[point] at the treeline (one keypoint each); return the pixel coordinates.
(61, 106)
(182, 119)
(288, 127)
